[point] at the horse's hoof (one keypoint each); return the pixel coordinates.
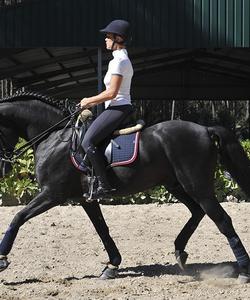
(243, 278)
(244, 275)
(109, 272)
(3, 263)
(181, 257)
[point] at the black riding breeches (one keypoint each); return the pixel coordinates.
(104, 125)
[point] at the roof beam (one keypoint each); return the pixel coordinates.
(215, 72)
(230, 59)
(39, 77)
(226, 71)
(26, 81)
(92, 81)
(6, 53)
(56, 83)
(9, 72)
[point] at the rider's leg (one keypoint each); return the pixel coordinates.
(98, 163)
(101, 128)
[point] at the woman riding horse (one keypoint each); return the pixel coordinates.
(180, 155)
(117, 102)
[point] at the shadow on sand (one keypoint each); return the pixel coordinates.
(197, 271)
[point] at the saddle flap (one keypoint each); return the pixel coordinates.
(122, 150)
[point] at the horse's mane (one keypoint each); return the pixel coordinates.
(64, 105)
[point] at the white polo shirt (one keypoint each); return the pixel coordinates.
(120, 65)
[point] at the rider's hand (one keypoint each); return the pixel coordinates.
(85, 103)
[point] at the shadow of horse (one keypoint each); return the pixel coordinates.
(197, 271)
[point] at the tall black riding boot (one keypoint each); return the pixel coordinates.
(97, 161)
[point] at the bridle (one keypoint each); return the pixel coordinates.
(10, 155)
(6, 149)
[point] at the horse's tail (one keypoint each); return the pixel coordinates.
(232, 155)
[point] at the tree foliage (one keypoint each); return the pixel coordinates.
(20, 186)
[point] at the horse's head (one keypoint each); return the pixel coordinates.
(8, 140)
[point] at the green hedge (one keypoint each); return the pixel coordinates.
(21, 186)
(225, 187)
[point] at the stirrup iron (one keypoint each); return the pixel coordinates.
(92, 181)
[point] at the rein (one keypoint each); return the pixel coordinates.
(12, 157)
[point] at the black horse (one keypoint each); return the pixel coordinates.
(180, 155)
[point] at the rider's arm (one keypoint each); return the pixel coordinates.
(108, 94)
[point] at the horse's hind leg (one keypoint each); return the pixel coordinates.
(94, 212)
(224, 223)
(201, 188)
(183, 237)
(41, 203)
(196, 176)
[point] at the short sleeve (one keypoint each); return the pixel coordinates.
(119, 68)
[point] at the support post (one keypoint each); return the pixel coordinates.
(173, 110)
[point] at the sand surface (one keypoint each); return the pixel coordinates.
(58, 255)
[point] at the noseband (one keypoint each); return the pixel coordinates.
(6, 150)
(6, 153)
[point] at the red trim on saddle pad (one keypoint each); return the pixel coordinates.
(74, 162)
(133, 158)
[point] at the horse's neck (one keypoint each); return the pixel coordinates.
(32, 117)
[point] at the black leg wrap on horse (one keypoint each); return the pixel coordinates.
(239, 251)
(242, 259)
(8, 240)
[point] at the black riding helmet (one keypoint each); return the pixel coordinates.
(118, 27)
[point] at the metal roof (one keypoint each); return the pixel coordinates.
(161, 23)
(160, 73)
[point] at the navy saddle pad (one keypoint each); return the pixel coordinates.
(122, 150)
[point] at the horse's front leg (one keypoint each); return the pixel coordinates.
(189, 228)
(94, 212)
(41, 203)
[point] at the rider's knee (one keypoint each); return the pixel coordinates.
(86, 144)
